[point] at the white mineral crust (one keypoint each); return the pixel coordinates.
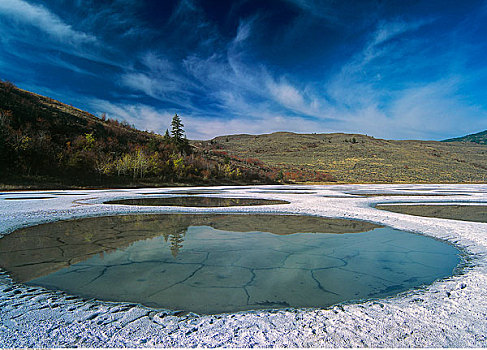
(449, 313)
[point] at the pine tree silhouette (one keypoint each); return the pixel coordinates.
(176, 240)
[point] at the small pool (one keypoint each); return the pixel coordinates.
(405, 194)
(472, 212)
(25, 198)
(192, 201)
(186, 192)
(224, 263)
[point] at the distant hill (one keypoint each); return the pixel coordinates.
(480, 138)
(355, 158)
(46, 143)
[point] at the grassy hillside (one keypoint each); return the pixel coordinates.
(357, 158)
(480, 138)
(44, 142)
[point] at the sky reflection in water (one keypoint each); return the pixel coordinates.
(224, 263)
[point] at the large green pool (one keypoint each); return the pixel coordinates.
(224, 263)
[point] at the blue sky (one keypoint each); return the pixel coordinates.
(390, 69)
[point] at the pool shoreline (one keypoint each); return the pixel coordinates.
(449, 312)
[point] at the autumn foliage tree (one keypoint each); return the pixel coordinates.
(43, 140)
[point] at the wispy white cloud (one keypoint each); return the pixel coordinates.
(302, 101)
(244, 30)
(141, 82)
(254, 99)
(44, 32)
(243, 88)
(353, 100)
(364, 103)
(379, 46)
(206, 128)
(40, 17)
(160, 79)
(199, 127)
(218, 82)
(324, 9)
(144, 117)
(436, 109)
(232, 84)
(391, 29)
(285, 93)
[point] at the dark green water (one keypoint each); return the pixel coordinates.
(185, 201)
(224, 263)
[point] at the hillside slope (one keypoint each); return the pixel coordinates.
(46, 141)
(355, 158)
(480, 138)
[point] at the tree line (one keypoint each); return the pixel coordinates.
(42, 139)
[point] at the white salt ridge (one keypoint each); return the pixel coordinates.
(451, 312)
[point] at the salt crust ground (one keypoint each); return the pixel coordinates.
(448, 313)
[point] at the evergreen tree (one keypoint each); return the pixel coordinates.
(167, 137)
(178, 137)
(177, 131)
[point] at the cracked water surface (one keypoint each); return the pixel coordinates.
(450, 312)
(224, 263)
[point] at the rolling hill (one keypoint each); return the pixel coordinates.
(480, 138)
(355, 158)
(46, 143)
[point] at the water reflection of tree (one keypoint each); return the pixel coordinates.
(177, 240)
(175, 230)
(36, 251)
